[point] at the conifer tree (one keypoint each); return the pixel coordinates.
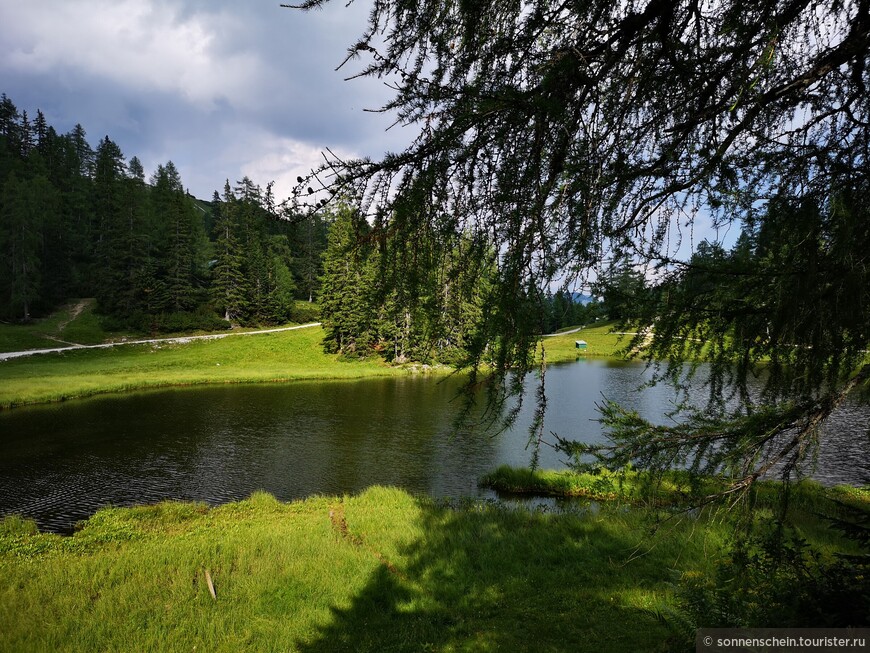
(346, 305)
(8, 115)
(25, 205)
(82, 152)
(112, 268)
(135, 240)
(40, 131)
(179, 235)
(27, 139)
(280, 284)
(9, 127)
(309, 239)
(73, 180)
(228, 285)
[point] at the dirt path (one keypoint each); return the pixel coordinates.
(179, 340)
(618, 333)
(74, 312)
(562, 333)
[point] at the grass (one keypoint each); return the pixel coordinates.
(85, 329)
(675, 487)
(381, 571)
(74, 323)
(376, 572)
(284, 356)
(628, 485)
(600, 339)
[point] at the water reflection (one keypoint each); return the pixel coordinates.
(217, 444)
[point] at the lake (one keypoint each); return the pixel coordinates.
(215, 444)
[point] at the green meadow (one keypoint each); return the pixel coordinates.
(600, 339)
(258, 357)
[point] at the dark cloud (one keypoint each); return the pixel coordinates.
(223, 88)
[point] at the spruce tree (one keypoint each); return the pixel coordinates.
(228, 284)
(9, 124)
(308, 241)
(26, 204)
(280, 284)
(181, 249)
(347, 308)
(40, 130)
(112, 268)
(135, 241)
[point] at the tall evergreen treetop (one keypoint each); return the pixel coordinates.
(135, 170)
(84, 155)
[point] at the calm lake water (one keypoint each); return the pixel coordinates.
(215, 444)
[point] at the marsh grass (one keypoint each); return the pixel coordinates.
(401, 574)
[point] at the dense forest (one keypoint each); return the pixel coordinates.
(423, 300)
(79, 221)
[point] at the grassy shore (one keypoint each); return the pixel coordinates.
(381, 571)
(672, 488)
(278, 357)
(600, 339)
(285, 356)
(376, 572)
(628, 485)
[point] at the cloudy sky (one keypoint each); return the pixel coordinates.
(223, 88)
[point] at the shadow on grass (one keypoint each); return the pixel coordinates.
(488, 579)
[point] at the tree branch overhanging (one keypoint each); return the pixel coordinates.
(555, 130)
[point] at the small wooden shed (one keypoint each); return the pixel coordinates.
(580, 344)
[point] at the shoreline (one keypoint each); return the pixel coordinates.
(284, 355)
(281, 355)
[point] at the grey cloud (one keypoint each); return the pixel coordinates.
(288, 91)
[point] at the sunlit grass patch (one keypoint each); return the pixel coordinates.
(807, 499)
(266, 357)
(600, 338)
(630, 485)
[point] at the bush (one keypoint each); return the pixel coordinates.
(304, 312)
(183, 321)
